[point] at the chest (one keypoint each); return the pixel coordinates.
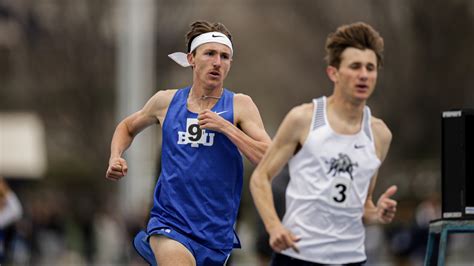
(344, 156)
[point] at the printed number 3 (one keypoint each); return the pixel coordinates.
(342, 193)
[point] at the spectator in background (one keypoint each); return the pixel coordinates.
(10, 212)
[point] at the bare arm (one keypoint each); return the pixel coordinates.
(153, 112)
(385, 210)
(252, 140)
(291, 133)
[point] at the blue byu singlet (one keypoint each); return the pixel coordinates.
(198, 191)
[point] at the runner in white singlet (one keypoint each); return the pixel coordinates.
(334, 147)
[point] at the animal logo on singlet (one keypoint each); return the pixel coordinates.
(342, 164)
(194, 135)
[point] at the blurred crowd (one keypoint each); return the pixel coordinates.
(50, 227)
(55, 229)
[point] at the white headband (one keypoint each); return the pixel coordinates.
(218, 37)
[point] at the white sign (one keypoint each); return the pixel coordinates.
(22, 146)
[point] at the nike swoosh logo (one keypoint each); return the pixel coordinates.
(219, 113)
(167, 230)
(215, 36)
(358, 146)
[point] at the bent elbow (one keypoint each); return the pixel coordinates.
(254, 182)
(260, 152)
(257, 180)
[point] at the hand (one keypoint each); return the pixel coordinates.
(211, 120)
(281, 239)
(387, 207)
(117, 169)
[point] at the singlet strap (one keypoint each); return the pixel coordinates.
(367, 128)
(318, 116)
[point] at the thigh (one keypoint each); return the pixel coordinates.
(169, 252)
(210, 257)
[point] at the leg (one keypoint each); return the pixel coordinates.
(169, 252)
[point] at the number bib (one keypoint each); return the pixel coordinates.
(340, 190)
(195, 135)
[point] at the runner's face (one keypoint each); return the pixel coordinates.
(357, 73)
(212, 63)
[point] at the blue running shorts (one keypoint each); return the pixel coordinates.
(202, 254)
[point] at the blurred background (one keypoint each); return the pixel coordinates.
(70, 70)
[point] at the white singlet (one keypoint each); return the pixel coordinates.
(329, 181)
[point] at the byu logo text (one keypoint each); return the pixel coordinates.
(194, 135)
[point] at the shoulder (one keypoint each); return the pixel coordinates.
(165, 95)
(302, 113)
(244, 104)
(162, 98)
(303, 109)
(158, 104)
(381, 130)
(299, 118)
(245, 108)
(296, 124)
(382, 136)
(242, 99)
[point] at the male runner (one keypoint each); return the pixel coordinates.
(334, 147)
(205, 128)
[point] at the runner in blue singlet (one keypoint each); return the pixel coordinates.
(205, 129)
